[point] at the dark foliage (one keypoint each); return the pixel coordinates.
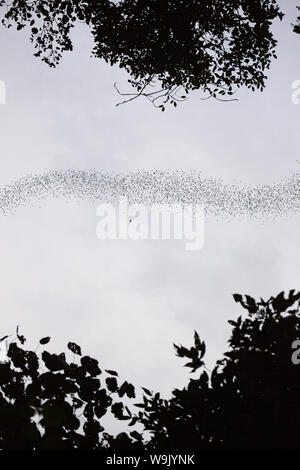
(249, 400)
(168, 47)
(297, 25)
(47, 402)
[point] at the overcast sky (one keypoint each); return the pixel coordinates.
(126, 302)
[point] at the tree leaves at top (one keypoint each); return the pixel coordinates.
(169, 48)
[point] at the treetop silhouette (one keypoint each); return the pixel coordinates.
(168, 48)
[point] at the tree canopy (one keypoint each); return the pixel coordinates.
(168, 48)
(250, 400)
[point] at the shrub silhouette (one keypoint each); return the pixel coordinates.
(179, 45)
(249, 400)
(47, 402)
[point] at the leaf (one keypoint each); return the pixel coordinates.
(197, 340)
(74, 348)
(252, 306)
(199, 345)
(117, 411)
(147, 391)
(45, 340)
(136, 435)
(21, 338)
(111, 372)
(133, 421)
(203, 381)
(238, 297)
(53, 362)
(127, 389)
(112, 384)
(90, 365)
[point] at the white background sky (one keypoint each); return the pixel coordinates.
(126, 302)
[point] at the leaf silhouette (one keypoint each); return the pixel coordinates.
(74, 348)
(45, 340)
(111, 372)
(21, 338)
